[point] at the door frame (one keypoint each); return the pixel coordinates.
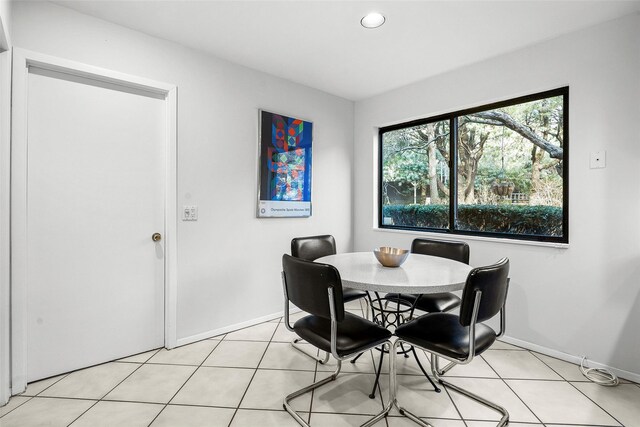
(5, 167)
(22, 60)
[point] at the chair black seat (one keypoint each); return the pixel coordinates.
(439, 302)
(404, 299)
(349, 294)
(442, 333)
(354, 333)
(431, 303)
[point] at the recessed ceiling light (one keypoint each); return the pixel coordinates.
(372, 20)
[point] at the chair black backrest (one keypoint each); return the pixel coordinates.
(457, 251)
(307, 285)
(493, 281)
(313, 247)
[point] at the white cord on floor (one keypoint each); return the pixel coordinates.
(598, 376)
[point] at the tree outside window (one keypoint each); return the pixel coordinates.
(502, 172)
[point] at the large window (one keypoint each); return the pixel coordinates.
(499, 170)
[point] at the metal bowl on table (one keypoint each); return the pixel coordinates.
(391, 257)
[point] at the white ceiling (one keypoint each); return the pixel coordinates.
(322, 45)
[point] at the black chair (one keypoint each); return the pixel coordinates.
(458, 338)
(317, 289)
(311, 248)
(439, 302)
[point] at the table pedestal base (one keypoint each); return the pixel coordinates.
(388, 318)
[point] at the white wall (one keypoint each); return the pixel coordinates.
(5, 119)
(5, 24)
(228, 261)
(580, 300)
(584, 300)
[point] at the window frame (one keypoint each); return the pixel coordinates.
(453, 168)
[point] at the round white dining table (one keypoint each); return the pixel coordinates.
(419, 274)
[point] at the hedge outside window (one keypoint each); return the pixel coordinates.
(498, 170)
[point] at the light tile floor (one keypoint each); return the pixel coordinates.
(239, 379)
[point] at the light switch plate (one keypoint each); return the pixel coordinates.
(190, 213)
(598, 160)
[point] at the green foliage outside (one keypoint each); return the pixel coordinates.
(511, 219)
(518, 147)
(421, 216)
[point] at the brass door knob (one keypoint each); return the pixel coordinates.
(156, 237)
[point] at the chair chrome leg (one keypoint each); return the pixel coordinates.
(402, 410)
(307, 389)
(444, 370)
(365, 309)
(437, 372)
(413, 417)
(393, 388)
(505, 415)
(304, 351)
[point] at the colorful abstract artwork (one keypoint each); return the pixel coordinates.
(285, 166)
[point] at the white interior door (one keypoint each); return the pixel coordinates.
(95, 195)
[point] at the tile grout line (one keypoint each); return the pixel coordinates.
(512, 390)
(577, 425)
(453, 402)
(29, 398)
(316, 371)
(548, 366)
(597, 404)
(113, 388)
(442, 387)
(63, 376)
(255, 371)
(183, 384)
(449, 395)
(315, 378)
(579, 391)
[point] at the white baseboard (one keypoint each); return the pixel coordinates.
(230, 328)
(630, 376)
